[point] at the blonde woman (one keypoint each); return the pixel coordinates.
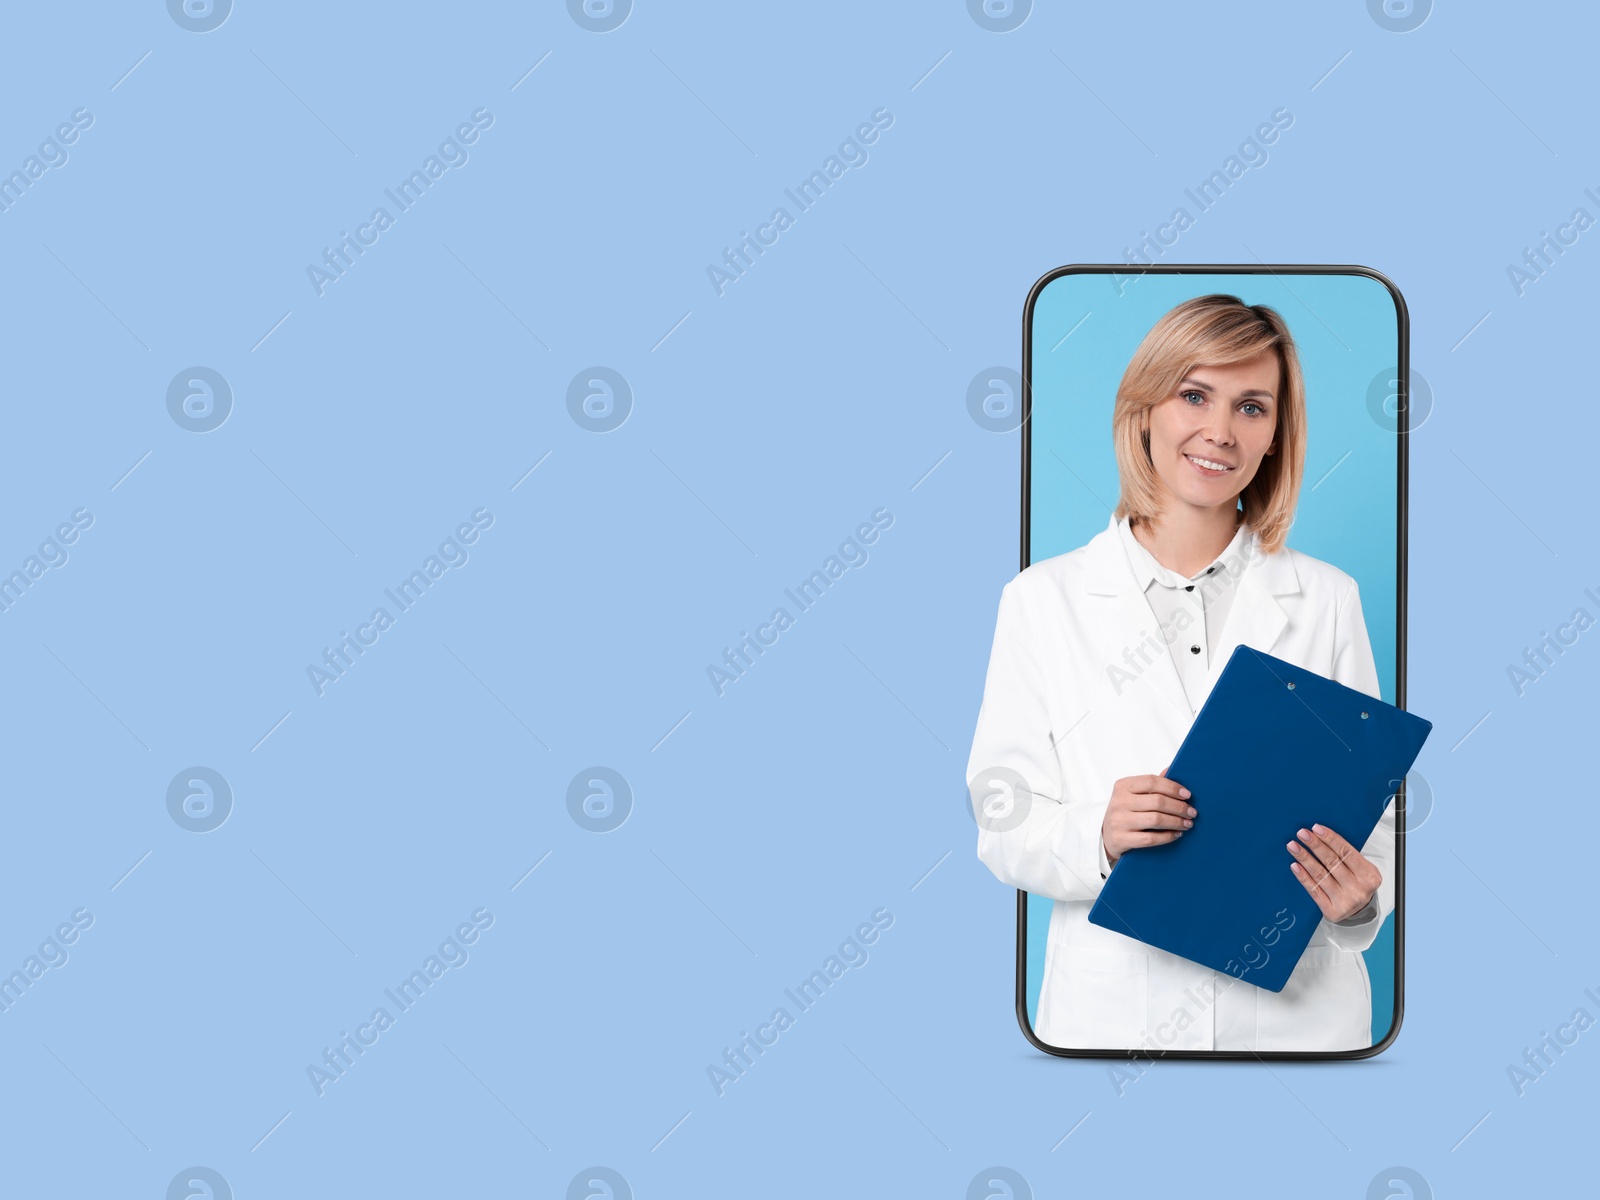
(1102, 657)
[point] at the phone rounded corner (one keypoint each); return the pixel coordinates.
(1388, 1039)
(1049, 277)
(1397, 298)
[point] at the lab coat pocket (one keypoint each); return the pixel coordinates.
(1096, 997)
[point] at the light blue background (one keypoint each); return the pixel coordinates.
(1086, 328)
(767, 424)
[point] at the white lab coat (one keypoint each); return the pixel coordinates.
(1054, 712)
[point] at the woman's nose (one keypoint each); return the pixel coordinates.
(1219, 428)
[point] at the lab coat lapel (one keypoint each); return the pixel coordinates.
(1256, 618)
(1134, 644)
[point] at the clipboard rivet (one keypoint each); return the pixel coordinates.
(1363, 716)
(1291, 685)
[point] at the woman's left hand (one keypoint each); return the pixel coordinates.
(1339, 879)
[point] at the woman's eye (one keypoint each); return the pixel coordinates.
(1186, 395)
(1257, 407)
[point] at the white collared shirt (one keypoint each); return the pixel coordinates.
(1189, 613)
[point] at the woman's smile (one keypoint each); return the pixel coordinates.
(1209, 467)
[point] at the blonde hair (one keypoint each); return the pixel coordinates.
(1214, 330)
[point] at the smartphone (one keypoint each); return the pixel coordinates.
(1126, 372)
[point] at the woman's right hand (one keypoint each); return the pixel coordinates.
(1145, 810)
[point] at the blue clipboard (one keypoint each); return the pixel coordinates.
(1274, 748)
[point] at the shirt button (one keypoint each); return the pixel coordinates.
(1194, 649)
(1190, 588)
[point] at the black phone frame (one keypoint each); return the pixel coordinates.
(1403, 429)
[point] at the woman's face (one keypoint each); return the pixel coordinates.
(1226, 416)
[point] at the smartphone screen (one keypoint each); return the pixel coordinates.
(1104, 347)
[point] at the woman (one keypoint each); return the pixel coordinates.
(1102, 657)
